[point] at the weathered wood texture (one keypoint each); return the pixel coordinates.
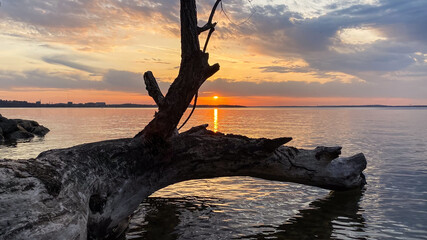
(92, 189)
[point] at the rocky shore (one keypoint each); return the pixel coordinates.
(13, 130)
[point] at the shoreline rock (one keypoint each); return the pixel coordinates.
(14, 130)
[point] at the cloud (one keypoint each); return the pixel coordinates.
(113, 80)
(388, 63)
(62, 60)
(153, 60)
(125, 81)
(88, 24)
(356, 89)
(284, 69)
(400, 25)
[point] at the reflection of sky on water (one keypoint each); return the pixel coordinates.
(393, 140)
(337, 215)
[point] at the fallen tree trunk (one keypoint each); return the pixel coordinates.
(91, 190)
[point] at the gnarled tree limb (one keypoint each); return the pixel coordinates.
(193, 72)
(209, 24)
(153, 88)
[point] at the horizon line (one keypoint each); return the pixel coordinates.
(139, 105)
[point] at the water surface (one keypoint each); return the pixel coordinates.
(392, 206)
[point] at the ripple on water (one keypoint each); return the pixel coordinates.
(393, 206)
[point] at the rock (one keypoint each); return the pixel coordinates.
(32, 127)
(20, 135)
(8, 126)
(1, 135)
(12, 130)
(26, 125)
(40, 131)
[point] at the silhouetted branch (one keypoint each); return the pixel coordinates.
(193, 72)
(153, 88)
(209, 24)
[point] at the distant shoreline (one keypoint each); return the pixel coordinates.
(24, 104)
(122, 106)
(349, 106)
(216, 106)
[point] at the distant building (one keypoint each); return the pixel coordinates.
(70, 103)
(38, 102)
(100, 104)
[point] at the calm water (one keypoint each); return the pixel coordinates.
(393, 205)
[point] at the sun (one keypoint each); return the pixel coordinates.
(215, 97)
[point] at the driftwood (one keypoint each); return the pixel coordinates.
(90, 190)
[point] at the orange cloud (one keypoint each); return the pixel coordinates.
(306, 101)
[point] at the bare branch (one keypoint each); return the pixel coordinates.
(213, 10)
(207, 39)
(193, 72)
(192, 111)
(153, 88)
(206, 27)
(209, 24)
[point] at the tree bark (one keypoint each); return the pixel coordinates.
(90, 190)
(193, 72)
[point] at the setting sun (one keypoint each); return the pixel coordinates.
(215, 97)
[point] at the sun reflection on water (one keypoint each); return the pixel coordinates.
(215, 128)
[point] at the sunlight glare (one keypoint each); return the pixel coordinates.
(215, 120)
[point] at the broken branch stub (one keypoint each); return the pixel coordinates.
(153, 88)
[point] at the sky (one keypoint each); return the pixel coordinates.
(271, 52)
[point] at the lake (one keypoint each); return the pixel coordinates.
(393, 205)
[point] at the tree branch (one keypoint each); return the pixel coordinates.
(153, 88)
(193, 72)
(206, 27)
(208, 38)
(209, 24)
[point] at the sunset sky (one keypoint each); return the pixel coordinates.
(271, 52)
